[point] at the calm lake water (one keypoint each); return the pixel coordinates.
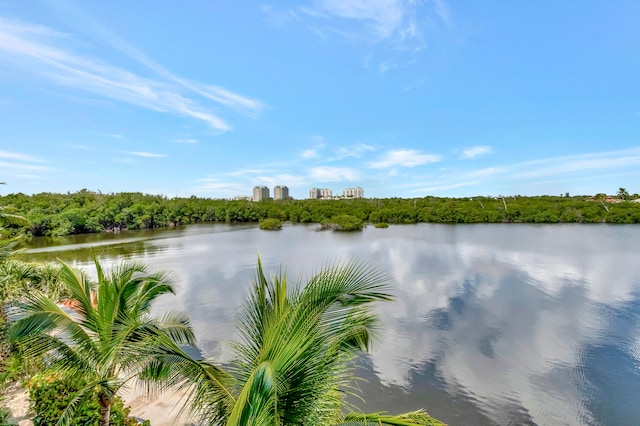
(492, 324)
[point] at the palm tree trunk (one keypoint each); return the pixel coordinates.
(105, 409)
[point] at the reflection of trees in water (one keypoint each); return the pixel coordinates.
(127, 250)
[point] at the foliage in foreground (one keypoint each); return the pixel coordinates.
(295, 357)
(9, 236)
(107, 335)
(5, 419)
(51, 392)
(18, 278)
(413, 418)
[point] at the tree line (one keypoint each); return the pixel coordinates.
(86, 211)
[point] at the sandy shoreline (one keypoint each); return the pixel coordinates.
(16, 400)
(161, 410)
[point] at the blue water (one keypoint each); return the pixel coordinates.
(501, 324)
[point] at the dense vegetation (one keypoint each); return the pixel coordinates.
(51, 393)
(86, 212)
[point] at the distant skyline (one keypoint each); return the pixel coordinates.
(402, 98)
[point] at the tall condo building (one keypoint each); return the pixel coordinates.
(356, 192)
(280, 193)
(260, 193)
(320, 193)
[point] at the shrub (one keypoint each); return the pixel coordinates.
(270, 224)
(381, 225)
(343, 222)
(51, 391)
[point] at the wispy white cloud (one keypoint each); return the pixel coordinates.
(611, 160)
(19, 165)
(227, 98)
(333, 174)
(354, 151)
(314, 151)
(400, 25)
(27, 176)
(147, 154)
(310, 153)
(335, 153)
(40, 52)
(22, 166)
(125, 160)
(287, 179)
(440, 188)
(185, 140)
(220, 188)
(252, 171)
(534, 173)
(404, 158)
(19, 157)
(278, 17)
(81, 147)
(383, 18)
(215, 93)
(443, 11)
(386, 65)
(476, 151)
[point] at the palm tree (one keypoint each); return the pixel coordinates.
(295, 355)
(18, 277)
(7, 240)
(107, 337)
(623, 194)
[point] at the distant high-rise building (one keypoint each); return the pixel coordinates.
(260, 193)
(356, 192)
(280, 193)
(320, 193)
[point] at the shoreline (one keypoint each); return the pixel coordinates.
(163, 409)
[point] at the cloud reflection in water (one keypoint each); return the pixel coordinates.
(493, 324)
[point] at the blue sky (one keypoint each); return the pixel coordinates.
(403, 98)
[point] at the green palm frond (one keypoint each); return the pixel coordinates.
(257, 403)
(10, 219)
(19, 278)
(210, 389)
(297, 346)
(8, 246)
(414, 418)
(108, 336)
